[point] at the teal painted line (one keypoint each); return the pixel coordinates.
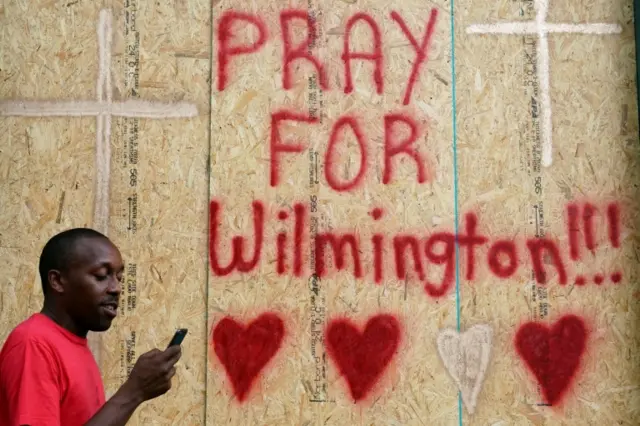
(455, 178)
(207, 266)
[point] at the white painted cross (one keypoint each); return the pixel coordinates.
(104, 108)
(542, 28)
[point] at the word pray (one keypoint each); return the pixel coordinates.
(292, 52)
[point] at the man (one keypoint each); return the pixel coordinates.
(48, 375)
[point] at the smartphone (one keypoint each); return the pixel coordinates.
(178, 337)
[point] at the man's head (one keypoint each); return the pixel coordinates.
(81, 271)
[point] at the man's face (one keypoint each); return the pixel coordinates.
(92, 284)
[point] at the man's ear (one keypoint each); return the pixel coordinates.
(56, 282)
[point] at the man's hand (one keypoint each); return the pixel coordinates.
(151, 375)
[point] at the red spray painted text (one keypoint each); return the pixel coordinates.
(292, 52)
(412, 255)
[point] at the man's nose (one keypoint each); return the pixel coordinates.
(115, 286)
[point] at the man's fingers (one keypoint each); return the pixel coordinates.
(171, 357)
(177, 356)
(171, 373)
(172, 352)
(152, 353)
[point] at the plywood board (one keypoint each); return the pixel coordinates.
(139, 178)
(515, 172)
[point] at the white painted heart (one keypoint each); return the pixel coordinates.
(466, 357)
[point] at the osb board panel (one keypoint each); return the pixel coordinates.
(299, 385)
(497, 177)
(595, 160)
(47, 165)
(158, 188)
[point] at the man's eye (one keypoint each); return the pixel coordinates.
(101, 277)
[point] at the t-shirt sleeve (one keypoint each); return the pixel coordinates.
(30, 382)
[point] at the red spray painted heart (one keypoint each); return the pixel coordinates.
(553, 354)
(362, 357)
(244, 351)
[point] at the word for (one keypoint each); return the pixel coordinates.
(412, 254)
(292, 52)
(362, 356)
(394, 145)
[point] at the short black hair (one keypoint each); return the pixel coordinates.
(59, 250)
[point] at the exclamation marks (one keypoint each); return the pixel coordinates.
(613, 220)
(588, 214)
(613, 216)
(582, 222)
(574, 231)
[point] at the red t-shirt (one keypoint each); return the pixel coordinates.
(48, 376)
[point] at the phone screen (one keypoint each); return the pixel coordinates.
(178, 337)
